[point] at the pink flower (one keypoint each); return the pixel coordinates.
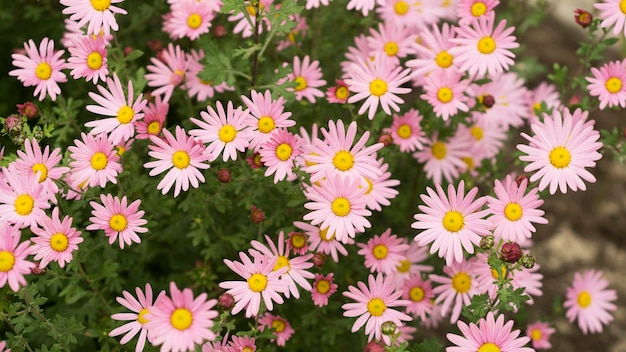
(154, 119)
(13, 263)
(613, 14)
(117, 217)
(197, 87)
(338, 94)
(406, 131)
(41, 68)
(432, 51)
(379, 191)
(365, 6)
(590, 302)
(278, 154)
(539, 333)
(169, 74)
(443, 158)
(323, 287)
(246, 26)
(608, 85)
(470, 9)
(445, 92)
(308, 76)
(191, 18)
(243, 344)
(265, 116)
(419, 294)
(456, 288)
(297, 242)
(354, 54)
(45, 164)
(22, 199)
(89, 58)
(544, 93)
(415, 255)
(99, 14)
(508, 100)
(489, 335)
(322, 242)
(182, 321)
(282, 328)
(409, 14)
(384, 253)
(95, 161)
(56, 240)
(392, 40)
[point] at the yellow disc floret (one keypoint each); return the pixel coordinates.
(125, 114)
(43, 71)
(118, 222)
(378, 87)
(181, 319)
(340, 206)
(180, 159)
(560, 157)
(24, 204)
(59, 242)
(376, 307)
(461, 282)
(453, 221)
(227, 133)
(257, 282)
(486, 45)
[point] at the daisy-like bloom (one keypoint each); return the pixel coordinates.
(117, 217)
(89, 58)
(378, 82)
(242, 344)
(490, 334)
(451, 223)
(420, 295)
(308, 76)
(191, 18)
(562, 147)
(45, 164)
(470, 9)
(409, 14)
(374, 306)
(443, 159)
(41, 68)
(392, 40)
(113, 103)
(182, 156)
(225, 130)
(180, 322)
(94, 160)
(444, 90)
(457, 288)
(406, 131)
(613, 14)
(590, 302)
(323, 287)
(246, 26)
(338, 94)
(379, 191)
(22, 198)
(278, 154)
(608, 83)
(365, 6)
(486, 138)
(296, 267)
(336, 154)
(13, 263)
(283, 329)
(262, 282)
(508, 106)
(55, 240)
(294, 36)
(539, 333)
(310, 4)
(415, 255)
(140, 307)
(266, 115)
(360, 51)
(544, 93)
(297, 242)
(154, 119)
(169, 74)
(99, 14)
(338, 205)
(481, 48)
(432, 51)
(322, 242)
(3, 345)
(217, 346)
(384, 253)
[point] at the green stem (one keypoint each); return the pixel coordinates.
(87, 279)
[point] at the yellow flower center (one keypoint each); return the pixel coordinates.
(154, 128)
(478, 9)
(181, 319)
(486, 45)
(301, 84)
(120, 150)
(405, 131)
(613, 85)
(283, 152)
(279, 325)
(43, 71)
(469, 161)
(59, 242)
(622, 6)
(247, 349)
(453, 221)
(489, 347)
(125, 114)
(416, 294)
(370, 185)
(461, 282)
(24, 204)
(513, 211)
(99, 161)
(94, 60)
(444, 94)
(378, 87)
(439, 150)
(281, 263)
(324, 235)
(42, 169)
(141, 318)
(7, 259)
(340, 206)
(560, 157)
(535, 334)
(376, 307)
(401, 8)
(343, 160)
(584, 299)
(227, 133)
(476, 132)
(322, 286)
(118, 222)
(380, 251)
(298, 240)
(100, 5)
(266, 124)
(180, 159)
(404, 266)
(342, 92)
(391, 48)
(444, 59)
(194, 21)
(257, 282)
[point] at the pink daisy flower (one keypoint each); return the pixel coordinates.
(225, 131)
(590, 302)
(470, 9)
(457, 288)
(261, 282)
(98, 14)
(508, 106)
(246, 24)
(154, 119)
(338, 94)
(3, 347)
(432, 51)
(486, 138)
(217, 346)
(406, 131)
(354, 54)
(613, 14)
(22, 199)
(265, 116)
(374, 306)
(544, 93)
(140, 307)
(414, 256)
(322, 242)
(13, 263)
(489, 335)
(608, 85)
(45, 164)
(113, 103)
(323, 287)
(55, 240)
(443, 159)
(365, 6)
(445, 92)
(419, 294)
(41, 68)
(297, 242)
(379, 191)
(279, 153)
(308, 76)
(94, 160)
(378, 82)
(182, 156)
(181, 322)
(392, 40)
(409, 14)
(451, 223)
(169, 74)
(539, 333)
(481, 48)
(191, 18)
(89, 58)
(562, 147)
(384, 253)
(243, 344)
(282, 328)
(117, 217)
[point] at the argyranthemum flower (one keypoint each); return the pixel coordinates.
(338, 94)
(308, 76)
(243, 344)
(456, 288)
(41, 68)
(322, 242)
(384, 253)
(140, 307)
(613, 14)
(609, 84)
(392, 40)
(545, 93)
(451, 223)
(113, 103)
(444, 90)
(95, 161)
(432, 51)
(406, 131)
(166, 76)
(191, 18)
(414, 256)
(182, 156)
(443, 158)
(45, 163)
(265, 116)
(481, 48)
(279, 153)
(283, 329)
(98, 13)
(590, 302)
(89, 58)
(180, 322)
(22, 198)
(154, 120)
(539, 333)
(562, 147)
(323, 287)
(490, 334)
(13, 263)
(420, 295)
(117, 217)
(379, 191)
(374, 305)
(378, 82)
(470, 9)
(55, 240)
(410, 14)
(297, 241)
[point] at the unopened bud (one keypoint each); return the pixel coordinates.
(583, 17)
(388, 328)
(487, 242)
(155, 44)
(38, 134)
(223, 175)
(527, 261)
(128, 50)
(385, 139)
(489, 101)
(226, 301)
(219, 31)
(519, 179)
(257, 215)
(374, 346)
(28, 109)
(319, 259)
(13, 124)
(510, 252)
(36, 270)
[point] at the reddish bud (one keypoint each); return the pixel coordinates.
(257, 215)
(128, 50)
(583, 17)
(489, 101)
(226, 301)
(155, 44)
(28, 109)
(385, 139)
(575, 99)
(519, 179)
(510, 252)
(223, 175)
(219, 31)
(374, 346)
(319, 259)
(36, 270)
(13, 124)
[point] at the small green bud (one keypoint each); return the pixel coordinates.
(487, 242)
(388, 328)
(527, 261)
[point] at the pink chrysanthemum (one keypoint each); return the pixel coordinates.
(117, 217)
(451, 223)
(3, 347)
(22, 198)
(379, 191)
(13, 263)
(154, 119)
(486, 138)
(374, 306)
(544, 93)
(181, 322)
(242, 344)
(444, 90)
(415, 255)
(95, 161)
(279, 153)
(560, 151)
(409, 14)
(378, 82)
(323, 287)
(609, 84)
(191, 18)
(539, 333)
(55, 240)
(384, 253)
(508, 100)
(89, 58)
(338, 94)
(261, 283)
(432, 52)
(41, 68)
(265, 116)
(182, 156)
(98, 13)
(308, 76)
(45, 164)
(355, 54)
(297, 242)
(590, 302)
(140, 307)
(489, 335)
(613, 14)
(456, 288)
(283, 329)
(481, 48)
(443, 159)
(406, 131)
(322, 242)
(470, 9)
(166, 76)
(419, 294)
(365, 6)
(392, 40)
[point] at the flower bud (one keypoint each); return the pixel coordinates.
(223, 175)
(257, 215)
(155, 44)
(226, 301)
(219, 31)
(374, 346)
(527, 261)
(13, 124)
(487, 242)
(319, 259)
(385, 139)
(38, 133)
(510, 252)
(388, 328)
(28, 109)
(519, 179)
(488, 100)
(583, 17)
(128, 50)
(36, 270)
